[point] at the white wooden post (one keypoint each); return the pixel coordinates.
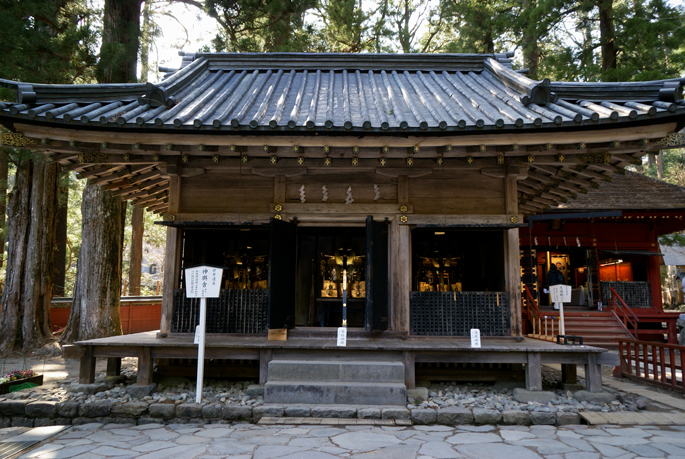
(561, 294)
(202, 282)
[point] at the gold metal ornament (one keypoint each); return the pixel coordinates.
(72, 144)
(581, 146)
(232, 148)
(300, 160)
(355, 161)
(327, 162)
(383, 161)
(385, 149)
(469, 160)
(404, 219)
(215, 159)
(448, 148)
(548, 146)
(278, 207)
(500, 159)
(16, 140)
(155, 157)
(326, 149)
(127, 157)
(440, 161)
(514, 219)
(278, 217)
(273, 160)
(296, 149)
(265, 148)
(185, 158)
(560, 158)
(482, 148)
(531, 158)
(403, 208)
(417, 148)
(169, 147)
(615, 144)
(355, 150)
(515, 147)
(200, 147)
(244, 159)
(136, 146)
(103, 145)
(410, 161)
(46, 142)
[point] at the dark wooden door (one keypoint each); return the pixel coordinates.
(376, 314)
(280, 312)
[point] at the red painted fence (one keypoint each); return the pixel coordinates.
(655, 363)
(138, 313)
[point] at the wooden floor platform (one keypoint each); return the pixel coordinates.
(321, 344)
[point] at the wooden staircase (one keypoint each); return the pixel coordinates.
(599, 329)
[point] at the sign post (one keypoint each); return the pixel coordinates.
(561, 294)
(202, 282)
(342, 331)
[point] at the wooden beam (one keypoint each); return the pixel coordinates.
(656, 131)
(512, 260)
(171, 256)
(399, 275)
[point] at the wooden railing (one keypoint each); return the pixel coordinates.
(627, 317)
(544, 327)
(655, 363)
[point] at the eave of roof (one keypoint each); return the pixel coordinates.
(295, 93)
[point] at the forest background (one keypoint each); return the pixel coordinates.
(75, 41)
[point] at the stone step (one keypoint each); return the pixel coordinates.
(336, 371)
(342, 393)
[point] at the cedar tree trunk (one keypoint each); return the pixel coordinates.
(120, 41)
(95, 310)
(59, 277)
(4, 171)
(26, 298)
(607, 35)
(137, 229)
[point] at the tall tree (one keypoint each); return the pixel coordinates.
(95, 308)
(261, 25)
(31, 233)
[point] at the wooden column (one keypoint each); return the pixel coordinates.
(144, 375)
(86, 374)
(533, 372)
(569, 373)
(400, 275)
(512, 259)
(279, 189)
(593, 373)
(172, 256)
(113, 366)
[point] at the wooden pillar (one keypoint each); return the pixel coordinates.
(136, 260)
(265, 356)
(86, 373)
(512, 258)
(409, 369)
(533, 372)
(654, 271)
(399, 275)
(172, 255)
(569, 373)
(113, 366)
(144, 376)
(593, 373)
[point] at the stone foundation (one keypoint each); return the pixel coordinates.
(27, 413)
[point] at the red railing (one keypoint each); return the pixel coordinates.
(544, 326)
(654, 363)
(627, 316)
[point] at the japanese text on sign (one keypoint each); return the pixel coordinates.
(203, 282)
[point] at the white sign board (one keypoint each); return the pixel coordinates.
(475, 337)
(342, 336)
(560, 293)
(203, 282)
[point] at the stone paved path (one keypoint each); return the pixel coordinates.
(246, 441)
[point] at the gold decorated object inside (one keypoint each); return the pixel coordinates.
(16, 140)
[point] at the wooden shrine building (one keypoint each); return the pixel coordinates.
(411, 173)
(606, 244)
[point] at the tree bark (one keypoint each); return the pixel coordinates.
(660, 165)
(95, 309)
(4, 172)
(135, 266)
(59, 277)
(607, 34)
(31, 236)
(531, 52)
(120, 41)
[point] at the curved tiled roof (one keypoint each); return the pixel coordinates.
(291, 92)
